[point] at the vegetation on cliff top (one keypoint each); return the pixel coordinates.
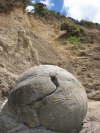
(8, 5)
(75, 31)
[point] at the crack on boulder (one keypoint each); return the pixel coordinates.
(54, 80)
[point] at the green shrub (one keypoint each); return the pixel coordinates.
(71, 29)
(39, 8)
(42, 10)
(89, 24)
(86, 22)
(73, 39)
(65, 26)
(52, 13)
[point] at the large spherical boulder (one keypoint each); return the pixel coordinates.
(50, 97)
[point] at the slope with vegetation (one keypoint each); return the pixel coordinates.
(75, 41)
(46, 37)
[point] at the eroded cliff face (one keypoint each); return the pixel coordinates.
(21, 47)
(27, 40)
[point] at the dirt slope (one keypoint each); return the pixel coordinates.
(84, 57)
(21, 47)
(28, 40)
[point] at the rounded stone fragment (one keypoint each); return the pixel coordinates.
(50, 97)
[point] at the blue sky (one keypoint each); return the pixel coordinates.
(77, 9)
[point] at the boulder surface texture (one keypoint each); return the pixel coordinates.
(50, 97)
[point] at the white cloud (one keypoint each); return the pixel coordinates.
(83, 9)
(48, 3)
(30, 9)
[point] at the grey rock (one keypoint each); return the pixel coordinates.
(9, 124)
(50, 97)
